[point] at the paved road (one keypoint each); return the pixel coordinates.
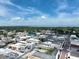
(62, 55)
(65, 46)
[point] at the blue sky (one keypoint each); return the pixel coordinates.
(39, 12)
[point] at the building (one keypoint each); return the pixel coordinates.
(6, 53)
(34, 40)
(75, 43)
(2, 44)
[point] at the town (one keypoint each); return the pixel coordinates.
(43, 44)
(39, 29)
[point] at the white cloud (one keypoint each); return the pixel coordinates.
(10, 3)
(5, 1)
(17, 19)
(64, 10)
(63, 15)
(4, 11)
(43, 17)
(28, 9)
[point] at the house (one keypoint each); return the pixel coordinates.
(2, 44)
(21, 46)
(7, 39)
(34, 40)
(72, 37)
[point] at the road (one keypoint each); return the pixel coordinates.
(63, 54)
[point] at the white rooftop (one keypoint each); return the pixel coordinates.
(75, 42)
(5, 51)
(73, 57)
(47, 42)
(73, 36)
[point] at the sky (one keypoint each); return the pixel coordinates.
(48, 13)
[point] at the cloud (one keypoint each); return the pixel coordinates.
(26, 10)
(43, 17)
(65, 10)
(22, 12)
(10, 3)
(2, 11)
(30, 11)
(17, 19)
(31, 16)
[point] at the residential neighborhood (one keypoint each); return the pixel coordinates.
(46, 44)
